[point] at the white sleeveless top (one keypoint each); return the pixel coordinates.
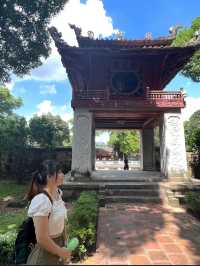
(42, 206)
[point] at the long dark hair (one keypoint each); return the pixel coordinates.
(39, 178)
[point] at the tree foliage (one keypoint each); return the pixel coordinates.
(16, 136)
(24, 38)
(126, 142)
(191, 130)
(8, 102)
(49, 131)
(192, 68)
(13, 132)
(195, 140)
(13, 135)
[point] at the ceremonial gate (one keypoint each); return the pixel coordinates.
(119, 84)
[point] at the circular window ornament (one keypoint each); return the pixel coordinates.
(125, 83)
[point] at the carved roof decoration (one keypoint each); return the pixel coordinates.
(123, 45)
(120, 42)
(57, 37)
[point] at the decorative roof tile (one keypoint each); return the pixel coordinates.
(119, 43)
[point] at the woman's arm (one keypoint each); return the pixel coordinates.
(43, 238)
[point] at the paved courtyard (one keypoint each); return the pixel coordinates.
(126, 175)
(116, 165)
(146, 234)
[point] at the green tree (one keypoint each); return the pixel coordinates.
(48, 131)
(190, 126)
(191, 69)
(24, 38)
(8, 102)
(13, 136)
(126, 142)
(13, 144)
(195, 140)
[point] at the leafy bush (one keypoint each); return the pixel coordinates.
(193, 201)
(7, 242)
(9, 225)
(8, 231)
(82, 223)
(10, 221)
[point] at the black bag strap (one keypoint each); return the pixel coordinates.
(50, 198)
(47, 194)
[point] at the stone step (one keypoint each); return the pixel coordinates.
(134, 185)
(131, 199)
(110, 185)
(124, 179)
(133, 192)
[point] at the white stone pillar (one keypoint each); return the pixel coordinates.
(172, 146)
(148, 151)
(83, 141)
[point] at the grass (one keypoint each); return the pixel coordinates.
(12, 218)
(11, 221)
(12, 189)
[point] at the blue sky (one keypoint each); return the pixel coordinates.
(48, 89)
(138, 17)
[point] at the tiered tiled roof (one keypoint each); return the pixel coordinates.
(120, 43)
(158, 60)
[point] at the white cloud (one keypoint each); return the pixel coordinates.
(46, 106)
(102, 138)
(63, 108)
(192, 105)
(52, 69)
(10, 85)
(48, 89)
(89, 16)
(67, 116)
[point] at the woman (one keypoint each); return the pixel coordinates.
(48, 218)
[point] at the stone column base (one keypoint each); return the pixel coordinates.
(77, 177)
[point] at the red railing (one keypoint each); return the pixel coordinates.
(152, 95)
(157, 99)
(165, 95)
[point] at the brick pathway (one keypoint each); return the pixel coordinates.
(146, 234)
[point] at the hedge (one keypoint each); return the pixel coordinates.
(83, 223)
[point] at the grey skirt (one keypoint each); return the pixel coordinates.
(40, 256)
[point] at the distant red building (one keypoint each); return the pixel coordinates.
(104, 153)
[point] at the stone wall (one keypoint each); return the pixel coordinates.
(35, 156)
